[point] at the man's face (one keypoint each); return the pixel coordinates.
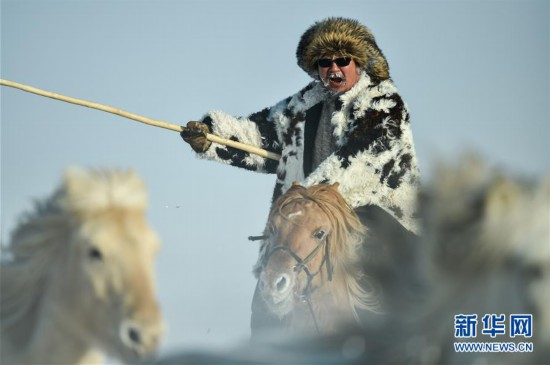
(337, 74)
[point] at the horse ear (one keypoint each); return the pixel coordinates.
(296, 183)
(501, 199)
(335, 185)
(74, 178)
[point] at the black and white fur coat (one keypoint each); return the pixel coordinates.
(374, 163)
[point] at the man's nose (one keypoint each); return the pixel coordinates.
(334, 66)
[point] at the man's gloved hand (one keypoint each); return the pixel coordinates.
(195, 135)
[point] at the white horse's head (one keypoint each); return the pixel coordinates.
(94, 250)
(107, 273)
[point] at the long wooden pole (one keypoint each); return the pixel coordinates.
(139, 118)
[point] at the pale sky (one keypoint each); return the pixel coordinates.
(475, 74)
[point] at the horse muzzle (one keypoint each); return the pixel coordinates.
(277, 291)
(141, 340)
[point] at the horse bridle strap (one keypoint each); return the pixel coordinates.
(302, 263)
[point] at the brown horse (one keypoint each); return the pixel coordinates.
(309, 270)
(485, 249)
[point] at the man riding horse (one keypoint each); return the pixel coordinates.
(349, 125)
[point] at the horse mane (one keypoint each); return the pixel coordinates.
(345, 240)
(41, 235)
(496, 218)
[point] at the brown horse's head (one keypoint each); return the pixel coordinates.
(310, 233)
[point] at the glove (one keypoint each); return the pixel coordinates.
(195, 135)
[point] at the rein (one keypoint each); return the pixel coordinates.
(301, 265)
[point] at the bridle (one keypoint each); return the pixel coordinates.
(301, 265)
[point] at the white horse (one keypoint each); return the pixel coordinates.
(487, 251)
(77, 277)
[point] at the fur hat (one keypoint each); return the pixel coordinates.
(342, 37)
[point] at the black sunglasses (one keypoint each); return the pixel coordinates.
(340, 62)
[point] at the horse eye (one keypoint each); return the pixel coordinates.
(319, 234)
(95, 254)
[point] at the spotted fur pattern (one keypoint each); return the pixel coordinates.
(375, 161)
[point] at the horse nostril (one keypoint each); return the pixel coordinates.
(281, 283)
(134, 336)
(131, 335)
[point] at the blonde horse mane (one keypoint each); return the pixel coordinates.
(345, 241)
(42, 234)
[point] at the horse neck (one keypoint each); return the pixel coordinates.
(40, 334)
(53, 331)
(331, 300)
(49, 341)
